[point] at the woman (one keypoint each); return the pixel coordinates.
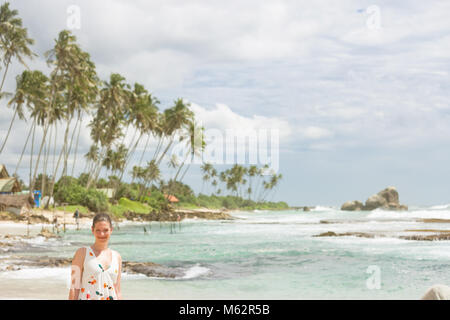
(96, 269)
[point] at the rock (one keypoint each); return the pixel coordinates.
(306, 209)
(431, 237)
(386, 199)
(150, 269)
(47, 234)
(347, 234)
(390, 194)
(327, 234)
(375, 201)
(352, 206)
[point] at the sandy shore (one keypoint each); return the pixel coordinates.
(41, 218)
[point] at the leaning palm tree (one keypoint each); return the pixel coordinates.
(14, 41)
(206, 170)
(18, 101)
(74, 78)
(108, 120)
(196, 143)
(142, 113)
(174, 119)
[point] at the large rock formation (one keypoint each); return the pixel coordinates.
(386, 199)
(352, 206)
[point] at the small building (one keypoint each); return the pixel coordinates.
(108, 192)
(171, 198)
(9, 185)
(3, 172)
(18, 204)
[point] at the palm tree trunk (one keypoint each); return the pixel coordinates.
(9, 130)
(4, 75)
(129, 156)
(76, 144)
(66, 146)
(158, 147)
(32, 151)
(46, 156)
(57, 163)
(145, 149)
(184, 173)
(93, 176)
(165, 151)
(179, 168)
(39, 156)
(24, 147)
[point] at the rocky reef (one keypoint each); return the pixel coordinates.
(386, 199)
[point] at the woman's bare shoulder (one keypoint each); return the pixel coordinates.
(81, 252)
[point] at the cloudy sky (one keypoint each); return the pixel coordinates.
(358, 91)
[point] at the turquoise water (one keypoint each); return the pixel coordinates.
(273, 255)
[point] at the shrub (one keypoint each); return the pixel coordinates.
(70, 194)
(95, 200)
(69, 191)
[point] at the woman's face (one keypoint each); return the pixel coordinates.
(102, 231)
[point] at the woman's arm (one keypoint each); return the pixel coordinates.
(76, 273)
(117, 284)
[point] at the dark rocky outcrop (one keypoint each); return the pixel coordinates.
(346, 234)
(352, 206)
(386, 199)
(173, 216)
(149, 269)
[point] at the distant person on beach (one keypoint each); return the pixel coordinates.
(96, 269)
(76, 215)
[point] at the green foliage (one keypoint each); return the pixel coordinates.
(229, 202)
(83, 179)
(95, 201)
(70, 194)
(126, 191)
(177, 188)
(133, 206)
(67, 190)
(72, 208)
(102, 183)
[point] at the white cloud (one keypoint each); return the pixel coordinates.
(221, 117)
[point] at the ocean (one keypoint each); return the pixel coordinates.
(260, 255)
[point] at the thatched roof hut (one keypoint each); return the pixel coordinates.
(18, 202)
(9, 185)
(3, 172)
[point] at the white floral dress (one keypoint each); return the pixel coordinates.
(97, 283)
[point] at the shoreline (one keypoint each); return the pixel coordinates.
(44, 218)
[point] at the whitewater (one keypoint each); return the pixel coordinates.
(262, 255)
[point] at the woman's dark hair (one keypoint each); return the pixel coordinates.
(101, 217)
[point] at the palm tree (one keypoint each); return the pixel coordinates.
(251, 172)
(150, 174)
(142, 113)
(18, 100)
(73, 78)
(108, 119)
(45, 113)
(14, 41)
(174, 119)
(195, 143)
(206, 169)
